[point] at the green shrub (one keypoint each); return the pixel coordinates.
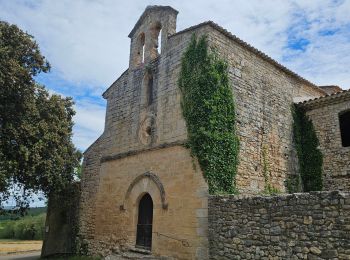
(7, 230)
(26, 228)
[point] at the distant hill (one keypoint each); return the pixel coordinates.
(31, 212)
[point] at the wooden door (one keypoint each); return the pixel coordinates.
(144, 223)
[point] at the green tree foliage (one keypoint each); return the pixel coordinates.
(208, 108)
(36, 150)
(309, 155)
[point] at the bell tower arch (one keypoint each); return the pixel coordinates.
(150, 34)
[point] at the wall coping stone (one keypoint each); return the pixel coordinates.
(271, 198)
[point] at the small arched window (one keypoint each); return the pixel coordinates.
(149, 91)
(344, 123)
(159, 44)
(156, 39)
(140, 49)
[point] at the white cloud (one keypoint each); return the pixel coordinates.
(86, 41)
(87, 44)
(89, 123)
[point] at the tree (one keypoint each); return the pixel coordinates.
(36, 149)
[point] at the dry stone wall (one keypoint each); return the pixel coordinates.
(312, 225)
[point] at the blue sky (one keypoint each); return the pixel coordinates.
(87, 45)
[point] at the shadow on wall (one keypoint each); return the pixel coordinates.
(61, 227)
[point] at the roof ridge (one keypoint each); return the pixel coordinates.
(121, 75)
(329, 96)
(251, 48)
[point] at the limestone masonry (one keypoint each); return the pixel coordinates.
(312, 225)
(142, 190)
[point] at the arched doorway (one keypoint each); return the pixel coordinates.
(144, 223)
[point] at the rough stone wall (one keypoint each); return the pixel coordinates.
(136, 128)
(179, 224)
(263, 93)
(154, 22)
(61, 226)
(336, 158)
(264, 96)
(128, 119)
(312, 225)
(89, 190)
(128, 115)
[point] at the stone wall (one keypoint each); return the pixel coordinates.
(179, 195)
(142, 136)
(264, 96)
(312, 225)
(336, 158)
(263, 93)
(89, 190)
(61, 226)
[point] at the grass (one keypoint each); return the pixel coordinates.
(11, 246)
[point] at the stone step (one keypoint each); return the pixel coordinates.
(140, 251)
(136, 254)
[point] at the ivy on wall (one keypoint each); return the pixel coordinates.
(269, 188)
(209, 111)
(309, 156)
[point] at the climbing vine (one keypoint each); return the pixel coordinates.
(269, 188)
(209, 111)
(309, 155)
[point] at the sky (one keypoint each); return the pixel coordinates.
(87, 45)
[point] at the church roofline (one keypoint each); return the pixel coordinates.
(326, 100)
(330, 89)
(105, 92)
(146, 12)
(252, 49)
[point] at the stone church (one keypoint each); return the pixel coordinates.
(142, 190)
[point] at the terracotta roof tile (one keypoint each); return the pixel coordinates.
(326, 100)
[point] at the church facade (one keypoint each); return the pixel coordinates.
(141, 188)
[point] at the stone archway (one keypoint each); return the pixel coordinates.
(137, 181)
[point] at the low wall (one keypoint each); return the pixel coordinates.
(61, 225)
(312, 225)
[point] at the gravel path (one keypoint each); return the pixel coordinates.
(25, 256)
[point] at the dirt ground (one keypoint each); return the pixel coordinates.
(23, 256)
(17, 246)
